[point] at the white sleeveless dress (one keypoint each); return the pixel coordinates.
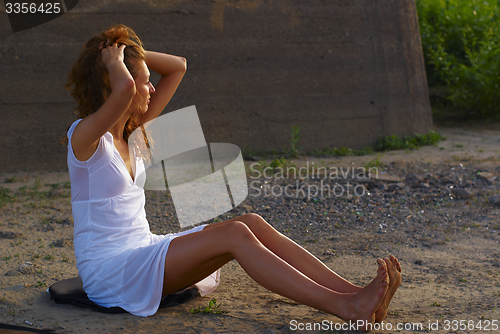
(120, 262)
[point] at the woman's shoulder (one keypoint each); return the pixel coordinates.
(107, 136)
(104, 145)
(73, 126)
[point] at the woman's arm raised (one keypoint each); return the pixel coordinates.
(172, 69)
(87, 133)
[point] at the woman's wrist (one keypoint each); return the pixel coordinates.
(118, 73)
(113, 64)
(165, 64)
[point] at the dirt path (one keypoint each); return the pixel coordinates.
(448, 246)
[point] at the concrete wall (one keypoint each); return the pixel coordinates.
(345, 71)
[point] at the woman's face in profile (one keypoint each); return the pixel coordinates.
(144, 88)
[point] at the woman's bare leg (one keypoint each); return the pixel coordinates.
(312, 267)
(195, 256)
(293, 254)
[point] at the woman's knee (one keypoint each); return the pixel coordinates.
(256, 223)
(239, 232)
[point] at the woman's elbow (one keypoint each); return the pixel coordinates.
(126, 88)
(185, 64)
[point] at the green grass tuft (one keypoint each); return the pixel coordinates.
(5, 195)
(390, 143)
(387, 143)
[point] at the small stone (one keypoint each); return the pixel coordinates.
(9, 235)
(247, 207)
(12, 272)
(487, 176)
(386, 178)
(47, 228)
(60, 243)
(418, 262)
(392, 187)
(370, 185)
(269, 330)
(447, 180)
(495, 200)
(460, 193)
(183, 12)
(26, 268)
(56, 193)
(16, 287)
(68, 221)
(397, 164)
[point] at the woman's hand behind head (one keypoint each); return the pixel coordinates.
(112, 53)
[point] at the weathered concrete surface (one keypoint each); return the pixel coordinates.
(345, 71)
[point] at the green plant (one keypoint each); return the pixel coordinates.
(461, 44)
(281, 163)
(49, 257)
(375, 162)
(394, 142)
(37, 184)
(59, 185)
(386, 143)
(5, 195)
(294, 140)
(293, 150)
(247, 151)
(336, 152)
(11, 179)
(367, 150)
(211, 308)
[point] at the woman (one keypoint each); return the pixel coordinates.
(120, 262)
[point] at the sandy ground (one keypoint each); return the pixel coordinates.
(451, 271)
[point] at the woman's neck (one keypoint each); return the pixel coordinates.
(117, 129)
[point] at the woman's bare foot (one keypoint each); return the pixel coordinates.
(367, 300)
(394, 271)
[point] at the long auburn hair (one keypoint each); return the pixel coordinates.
(88, 80)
